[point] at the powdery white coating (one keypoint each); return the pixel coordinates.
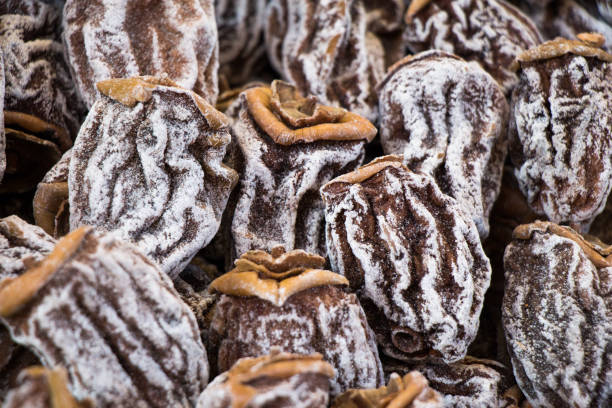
(114, 321)
(153, 174)
(414, 257)
(502, 33)
(557, 316)
(123, 38)
(277, 202)
(37, 80)
(293, 392)
(467, 383)
(323, 320)
(560, 136)
(21, 246)
(240, 24)
(322, 47)
(448, 118)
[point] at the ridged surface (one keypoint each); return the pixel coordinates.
(560, 136)
(115, 322)
(241, 48)
(277, 199)
(323, 320)
(153, 174)
(324, 49)
(557, 316)
(414, 257)
(448, 118)
(467, 383)
(21, 246)
(490, 32)
(123, 38)
(37, 78)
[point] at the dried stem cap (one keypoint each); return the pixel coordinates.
(275, 365)
(598, 253)
(130, 91)
(587, 45)
(276, 277)
(288, 117)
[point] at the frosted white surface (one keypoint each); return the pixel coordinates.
(124, 38)
(418, 255)
(448, 118)
(561, 129)
(502, 33)
(322, 47)
(153, 174)
(21, 246)
(115, 322)
(557, 316)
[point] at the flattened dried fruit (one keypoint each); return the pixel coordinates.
(468, 383)
(412, 254)
(557, 315)
(2, 137)
(560, 129)
(502, 33)
(290, 146)
(241, 49)
(38, 82)
(21, 246)
(287, 300)
(409, 391)
(447, 118)
(280, 379)
(51, 199)
(148, 165)
(324, 49)
(41, 387)
(120, 39)
(100, 308)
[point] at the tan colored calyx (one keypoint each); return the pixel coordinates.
(596, 251)
(365, 172)
(276, 277)
(35, 126)
(56, 384)
(399, 393)
(288, 117)
(49, 202)
(587, 45)
(17, 292)
(277, 366)
(130, 91)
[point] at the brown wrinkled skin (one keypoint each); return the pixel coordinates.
(560, 136)
(447, 118)
(241, 49)
(277, 200)
(323, 320)
(415, 259)
(165, 188)
(490, 32)
(557, 316)
(101, 303)
(178, 38)
(324, 49)
(471, 382)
